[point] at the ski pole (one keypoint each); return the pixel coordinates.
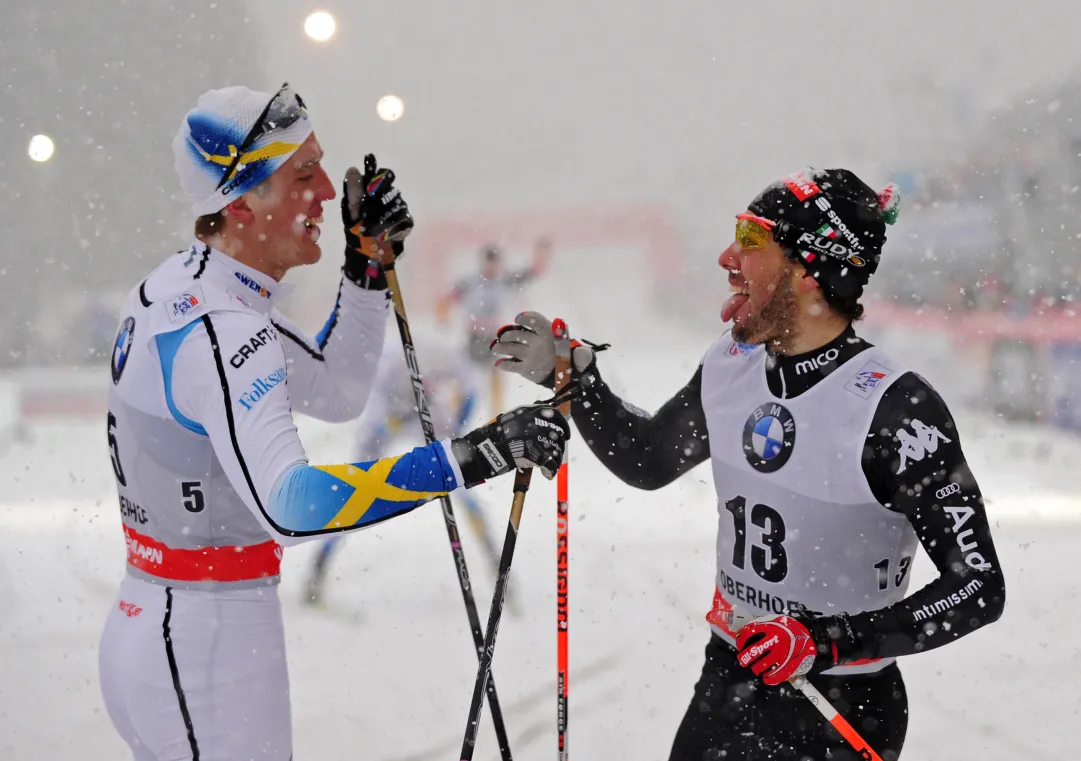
(836, 720)
(736, 621)
(469, 742)
(448, 511)
(563, 376)
(475, 514)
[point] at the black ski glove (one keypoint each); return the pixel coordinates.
(533, 436)
(376, 218)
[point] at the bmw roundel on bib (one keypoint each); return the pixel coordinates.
(122, 347)
(768, 437)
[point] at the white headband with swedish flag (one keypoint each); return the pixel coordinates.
(210, 136)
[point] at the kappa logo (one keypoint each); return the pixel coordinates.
(802, 186)
(915, 446)
(179, 308)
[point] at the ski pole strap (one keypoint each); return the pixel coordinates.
(568, 393)
(595, 347)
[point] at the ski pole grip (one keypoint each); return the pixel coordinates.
(521, 480)
(563, 359)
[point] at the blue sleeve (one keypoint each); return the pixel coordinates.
(327, 498)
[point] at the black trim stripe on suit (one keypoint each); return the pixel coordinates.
(202, 262)
(142, 295)
(240, 458)
(297, 340)
(176, 674)
(229, 418)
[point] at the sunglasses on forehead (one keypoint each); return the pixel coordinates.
(283, 110)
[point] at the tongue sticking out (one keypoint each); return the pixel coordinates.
(735, 301)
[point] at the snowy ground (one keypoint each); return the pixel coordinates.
(387, 671)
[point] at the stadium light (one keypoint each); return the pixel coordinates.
(390, 108)
(320, 26)
(41, 148)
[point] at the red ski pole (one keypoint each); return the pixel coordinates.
(563, 376)
(839, 722)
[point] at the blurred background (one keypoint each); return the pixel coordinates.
(629, 134)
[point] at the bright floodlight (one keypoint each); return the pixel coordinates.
(390, 108)
(41, 148)
(320, 26)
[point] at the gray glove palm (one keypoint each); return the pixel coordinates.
(528, 347)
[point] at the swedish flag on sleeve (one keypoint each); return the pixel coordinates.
(327, 498)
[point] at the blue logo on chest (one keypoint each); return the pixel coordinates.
(769, 436)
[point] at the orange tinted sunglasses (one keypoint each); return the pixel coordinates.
(752, 231)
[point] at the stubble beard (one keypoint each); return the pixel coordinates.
(774, 323)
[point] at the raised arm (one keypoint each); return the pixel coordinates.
(331, 374)
(643, 450)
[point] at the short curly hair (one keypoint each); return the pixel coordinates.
(850, 308)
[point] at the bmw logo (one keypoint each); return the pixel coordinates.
(122, 347)
(768, 437)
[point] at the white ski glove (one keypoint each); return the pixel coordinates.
(528, 348)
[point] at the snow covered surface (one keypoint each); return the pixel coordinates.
(386, 671)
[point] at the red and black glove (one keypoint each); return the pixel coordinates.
(780, 648)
